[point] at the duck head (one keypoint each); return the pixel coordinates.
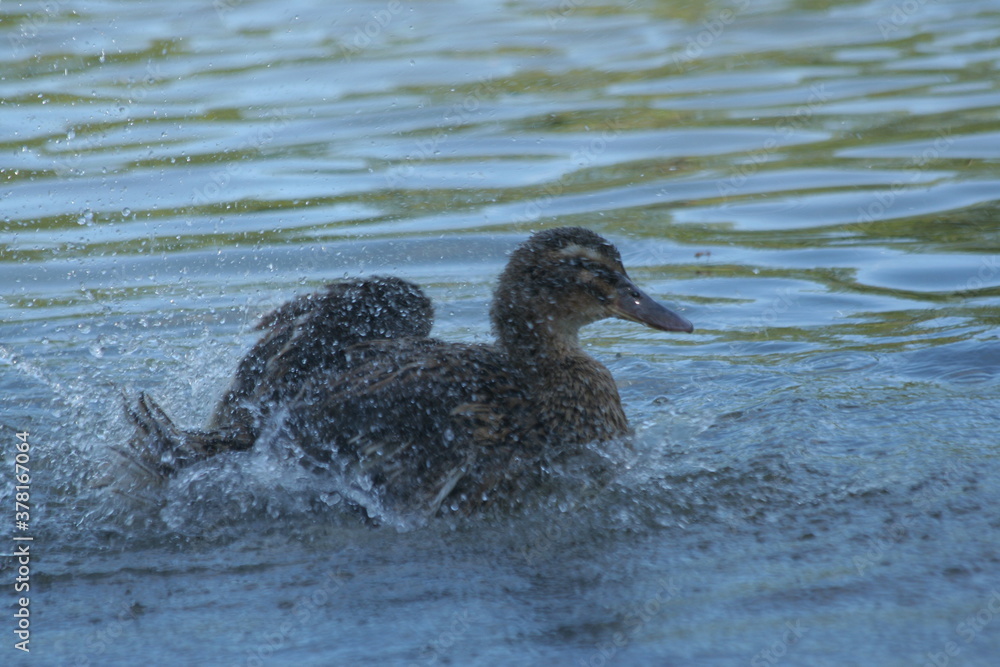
(562, 279)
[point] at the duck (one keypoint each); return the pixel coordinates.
(353, 386)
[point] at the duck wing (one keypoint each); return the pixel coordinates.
(303, 336)
(417, 421)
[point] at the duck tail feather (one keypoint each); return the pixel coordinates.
(160, 448)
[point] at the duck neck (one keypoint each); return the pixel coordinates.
(574, 395)
(532, 340)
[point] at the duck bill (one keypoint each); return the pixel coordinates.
(633, 304)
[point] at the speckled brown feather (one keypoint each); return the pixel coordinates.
(420, 417)
(301, 337)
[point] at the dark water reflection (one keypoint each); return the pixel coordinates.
(814, 183)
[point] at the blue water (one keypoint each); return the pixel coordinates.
(815, 185)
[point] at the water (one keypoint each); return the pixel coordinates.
(814, 184)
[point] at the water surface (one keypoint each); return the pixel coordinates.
(814, 184)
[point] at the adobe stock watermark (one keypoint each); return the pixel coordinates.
(439, 648)
(925, 500)
(583, 157)
(767, 317)
(109, 634)
(363, 35)
(899, 15)
(31, 26)
(220, 178)
(562, 12)
(886, 199)
(455, 116)
(68, 163)
(713, 29)
(968, 629)
(784, 128)
(223, 7)
(545, 540)
(778, 649)
(987, 271)
(633, 621)
(878, 544)
(302, 611)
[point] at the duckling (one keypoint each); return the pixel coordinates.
(420, 423)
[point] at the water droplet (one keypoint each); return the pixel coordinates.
(126, 212)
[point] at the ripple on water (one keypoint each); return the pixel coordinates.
(837, 362)
(814, 183)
